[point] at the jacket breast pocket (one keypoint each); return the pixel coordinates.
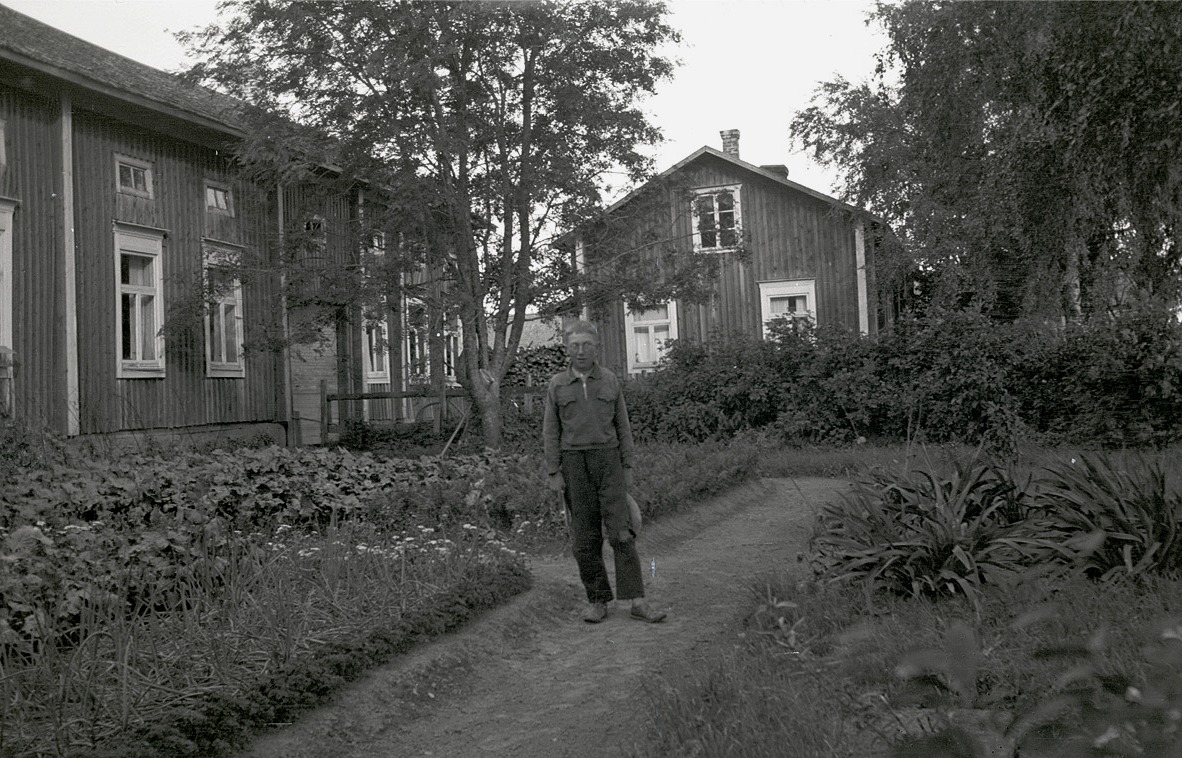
(605, 406)
(566, 403)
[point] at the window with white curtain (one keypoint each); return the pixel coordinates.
(648, 334)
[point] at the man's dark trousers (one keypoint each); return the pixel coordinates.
(596, 498)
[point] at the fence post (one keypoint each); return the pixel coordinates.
(7, 379)
(295, 435)
(325, 412)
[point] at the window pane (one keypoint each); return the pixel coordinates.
(644, 351)
(148, 328)
(136, 270)
(215, 334)
(727, 238)
(709, 239)
(659, 313)
(230, 325)
(141, 179)
(211, 197)
(452, 349)
(125, 179)
(221, 282)
(789, 305)
(726, 203)
(127, 326)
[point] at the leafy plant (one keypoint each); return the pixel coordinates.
(920, 533)
(1119, 513)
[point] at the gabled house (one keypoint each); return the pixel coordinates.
(784, 250)
(119, 208)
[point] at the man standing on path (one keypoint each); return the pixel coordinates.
(588, 450)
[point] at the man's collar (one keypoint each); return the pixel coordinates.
(592, 373)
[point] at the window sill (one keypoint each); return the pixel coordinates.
(127, 371)
(225, 373)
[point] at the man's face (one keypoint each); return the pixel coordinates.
(583, 350)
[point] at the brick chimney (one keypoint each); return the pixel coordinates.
(730, 142)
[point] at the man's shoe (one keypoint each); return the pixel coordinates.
(642, 612)
(595, 613)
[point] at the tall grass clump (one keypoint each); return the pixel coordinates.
(923, 534)
(1123, 514)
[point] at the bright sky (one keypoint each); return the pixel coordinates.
(746, 64)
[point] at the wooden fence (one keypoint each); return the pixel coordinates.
(529, 395)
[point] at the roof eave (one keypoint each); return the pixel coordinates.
(77, 80)
(707, 150)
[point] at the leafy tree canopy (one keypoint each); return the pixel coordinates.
(1027, 154)
(482, 125)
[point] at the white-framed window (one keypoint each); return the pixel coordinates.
(793, 298)
(224, 357)
(417, 353)
(648, 334)
(452, 344)
(134, 176)
(376, 326)
(418, 331)
(139, 302)
(377, 348)
(717, 219)
(219, 199)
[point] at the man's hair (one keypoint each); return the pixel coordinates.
(579, 327)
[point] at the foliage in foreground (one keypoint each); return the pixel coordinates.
(816, 675)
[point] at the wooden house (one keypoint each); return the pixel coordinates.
(119, 210)
(783, 250)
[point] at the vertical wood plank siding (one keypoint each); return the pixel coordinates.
(29, 178)
(787, 235)
(185, 396)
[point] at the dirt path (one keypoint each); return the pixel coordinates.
(531, 680)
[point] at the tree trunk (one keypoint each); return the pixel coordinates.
(1072, 300)
(486, 396)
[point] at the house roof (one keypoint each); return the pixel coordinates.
(50, 51)
(763, 172)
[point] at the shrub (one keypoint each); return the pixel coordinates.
(1113, 382)
(708, 391)
(947, 377)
